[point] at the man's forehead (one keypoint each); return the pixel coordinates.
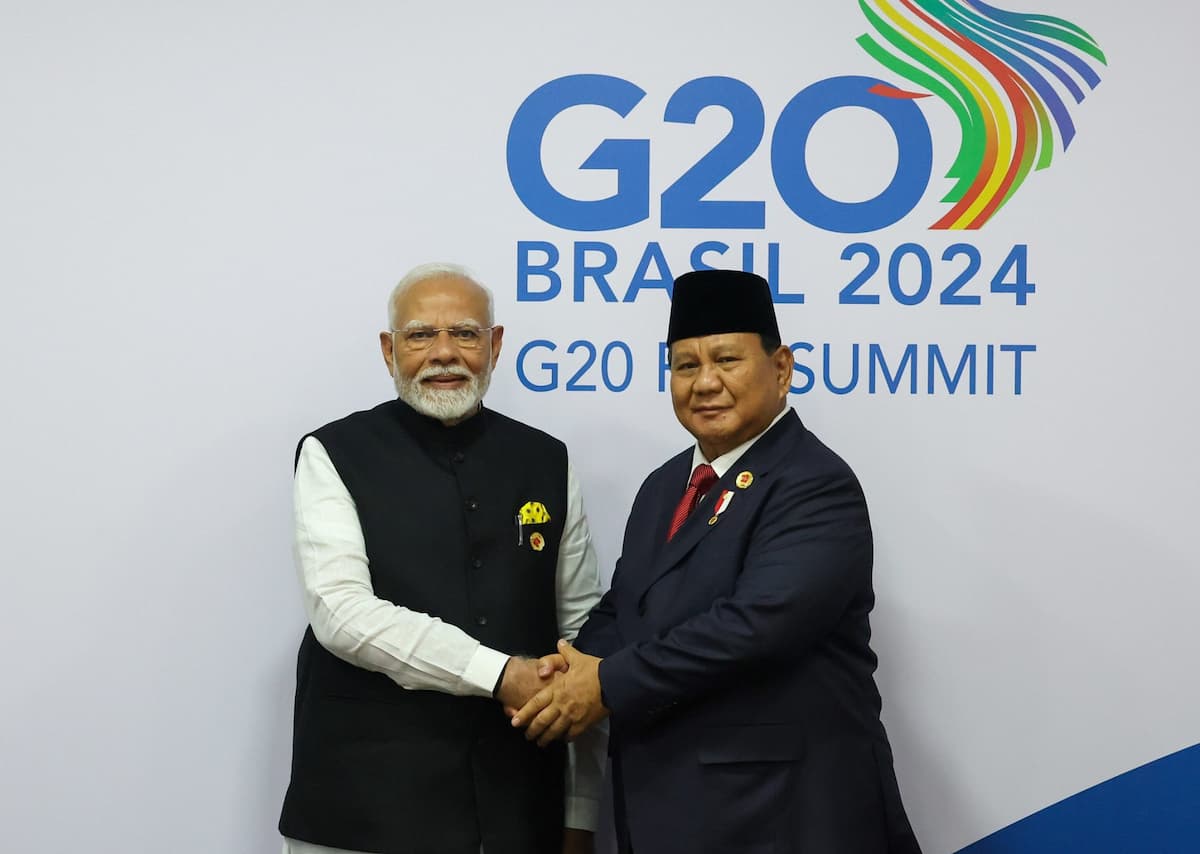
(441, 294)
(720, 341)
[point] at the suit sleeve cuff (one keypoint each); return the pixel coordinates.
(582, 814)
(612, 689)
(482, 671)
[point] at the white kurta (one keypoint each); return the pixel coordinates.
(416, 650)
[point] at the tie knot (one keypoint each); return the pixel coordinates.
(703, 477)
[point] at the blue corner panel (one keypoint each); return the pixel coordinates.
(1154, 809)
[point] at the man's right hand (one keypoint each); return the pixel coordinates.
(522, 679)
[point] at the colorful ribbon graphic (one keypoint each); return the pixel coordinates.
(994, 69)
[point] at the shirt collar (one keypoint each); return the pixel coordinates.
(725, 462)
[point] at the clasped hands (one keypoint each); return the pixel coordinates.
(556, 696)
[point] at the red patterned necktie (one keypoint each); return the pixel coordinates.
(702, 478)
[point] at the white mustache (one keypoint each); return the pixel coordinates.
(447, 371)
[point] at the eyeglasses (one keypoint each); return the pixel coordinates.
(422, 337)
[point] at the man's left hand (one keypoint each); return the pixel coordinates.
(569, 705)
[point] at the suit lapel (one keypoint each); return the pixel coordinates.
(758, 460)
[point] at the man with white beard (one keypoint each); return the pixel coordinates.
(439, 543)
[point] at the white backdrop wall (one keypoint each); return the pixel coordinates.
(204, 207)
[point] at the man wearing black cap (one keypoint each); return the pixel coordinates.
(732, 651)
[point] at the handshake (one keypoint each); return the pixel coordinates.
(553, 697)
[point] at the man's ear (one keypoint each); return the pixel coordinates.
(497, 340)
(385, 347)
(785, 363)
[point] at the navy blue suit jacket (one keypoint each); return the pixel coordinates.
(737, 664)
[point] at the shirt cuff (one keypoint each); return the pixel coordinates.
(582, 814)
(482, 671)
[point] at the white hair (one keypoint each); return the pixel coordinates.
(435, 270)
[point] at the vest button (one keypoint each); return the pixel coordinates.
(459, 456)
(472, 504)
(481, 620)
(477, 563)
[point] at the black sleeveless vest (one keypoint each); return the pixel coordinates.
(378, 768)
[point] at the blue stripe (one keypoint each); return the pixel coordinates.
(1154, 809)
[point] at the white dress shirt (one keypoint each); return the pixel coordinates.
(418, 651)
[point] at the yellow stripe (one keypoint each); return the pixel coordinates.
(985, 94)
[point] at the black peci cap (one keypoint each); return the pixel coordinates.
(713, 302)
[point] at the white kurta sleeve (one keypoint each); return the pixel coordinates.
(416, 650)
(578, 589)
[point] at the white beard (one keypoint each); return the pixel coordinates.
(444, 404)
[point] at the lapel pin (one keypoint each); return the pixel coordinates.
(536, 541)
(719, 508)
(744, 480)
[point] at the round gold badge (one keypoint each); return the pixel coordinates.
(744, 479)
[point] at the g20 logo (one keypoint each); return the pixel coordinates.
(682, 203)
(1001, 74)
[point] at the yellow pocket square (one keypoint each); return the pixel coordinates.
(533, 513)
